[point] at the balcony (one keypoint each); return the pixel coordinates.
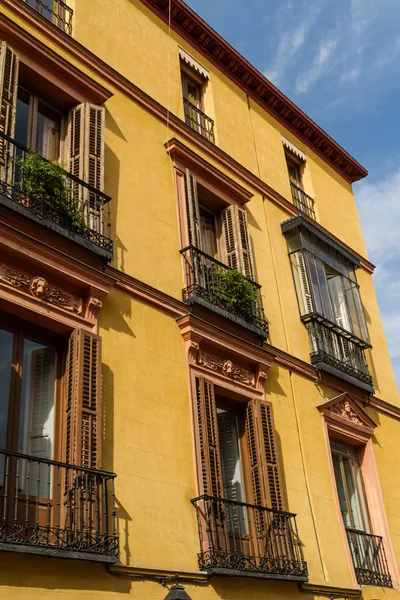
(244, 539)
(55, 509)
(44, 192)
(198, 121)
(55, 11)
(337, 351)
(302, 201)
(225, 291)
(369, 558)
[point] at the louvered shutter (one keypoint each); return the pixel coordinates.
(339, 306)
(192, 210)
(40, 432)
(85, 158)
(247, 266)
(264, 465)
(9, 67)
(305, 290)
(211, 473)
(236, 240)
(229, 237)
(83, 400)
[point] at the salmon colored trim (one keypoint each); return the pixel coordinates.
(183, 158)
(359, 430)
(385, 408)
(50, 282)
(123, 85)
(337, 505)
(48, 63)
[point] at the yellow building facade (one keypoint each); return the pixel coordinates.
(197, 397)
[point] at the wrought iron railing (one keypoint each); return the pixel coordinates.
(69, 202)
(235, 536)
(223, 290)
(369, 558)
(53, 508)
(55, 11)
(332, 346)
(302, 201)
(198, 121)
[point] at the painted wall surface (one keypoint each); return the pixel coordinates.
(148, 437)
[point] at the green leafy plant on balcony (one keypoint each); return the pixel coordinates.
(46, 191)
(233, 291)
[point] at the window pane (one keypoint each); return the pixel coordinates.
(338, 300)
(36, 427)
(355, 505)
(6, 349)
(231, 469)
(22, 117)
(344, 507)
(48, 132)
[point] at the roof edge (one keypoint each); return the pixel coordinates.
(208, 42)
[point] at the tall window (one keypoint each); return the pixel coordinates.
(326, 283)
(28, 376)
(38, 125)
(350, 486)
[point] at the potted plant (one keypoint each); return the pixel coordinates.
(46, 191)
(233, 292)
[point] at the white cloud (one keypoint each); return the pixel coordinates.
(290, 43)
(319, 67)
(379, 207)
(351, 75)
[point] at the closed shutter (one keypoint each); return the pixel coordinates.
(192, 210)
(247, 267)
(85, 158)
(264, 464)
(236, 240)
(305, 290)
(40, 434)
(207, 425)
(83, 400)
(340, 345)
(9, 66)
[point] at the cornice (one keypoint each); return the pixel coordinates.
(332, 592)
(112, 78)
(385, 408)
(30, 47)
(209, 43)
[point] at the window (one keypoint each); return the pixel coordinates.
(349, 431)
(194, 81)
(242, 524)
(55, 11)
(300, 199)
(38, 125)
(329, 301)
(350, 486)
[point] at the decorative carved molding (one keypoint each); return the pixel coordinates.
(226, 368)
(344, 409)
(38, 287)
(93, 307)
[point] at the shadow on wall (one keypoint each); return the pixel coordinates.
(38, 572)
(116, 306)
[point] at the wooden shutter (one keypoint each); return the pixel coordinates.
(305, 290)
(211, 473)
(85, 144)
(83, 400)
(192, 210)
(264, 464)
(9, 67)
(236, 240)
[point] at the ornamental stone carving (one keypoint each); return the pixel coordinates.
(38, 287)
(226, 368)
(344, 409)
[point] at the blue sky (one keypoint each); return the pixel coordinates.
(340, 62)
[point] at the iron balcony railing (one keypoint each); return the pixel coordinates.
(369, 558)
(223, 290)
(65, 201)
(240, 537)
(55, 11)
(336, 350)
(198, 121)
(49, 507)
(302, 201)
